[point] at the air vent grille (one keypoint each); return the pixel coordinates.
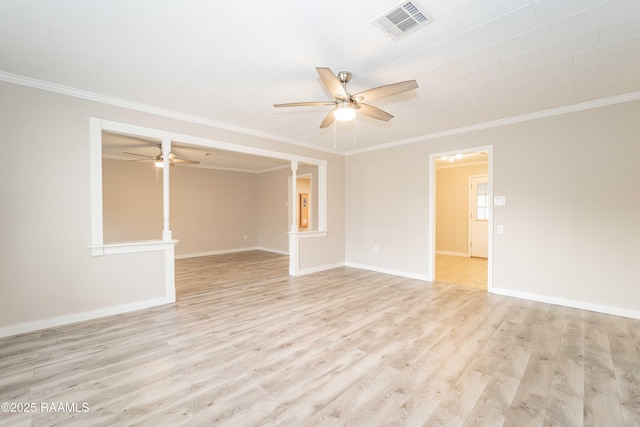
(402, 20)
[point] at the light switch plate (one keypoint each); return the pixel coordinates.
(500, 229)
(499, 201)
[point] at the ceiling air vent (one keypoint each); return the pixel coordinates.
(402, 20)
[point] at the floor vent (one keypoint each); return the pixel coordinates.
(402, 20)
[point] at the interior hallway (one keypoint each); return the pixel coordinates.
(461, 270)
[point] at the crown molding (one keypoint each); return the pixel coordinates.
(119, 102)
(145, 108)
(603, 102)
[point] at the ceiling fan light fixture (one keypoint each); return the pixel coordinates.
(345, 104)
(344, 112)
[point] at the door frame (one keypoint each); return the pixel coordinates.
(431, 238)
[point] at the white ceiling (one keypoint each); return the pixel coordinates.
(228, 62)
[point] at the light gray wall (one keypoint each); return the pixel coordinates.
(273, 210)
(331, 249)
(572, 214)
(387, 206)
(131, 201)
(46, 268)
(212, 210)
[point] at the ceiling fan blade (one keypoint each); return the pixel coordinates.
(386, 90)
(332, 83)
(328, 119)
(305, 104)
(141, 155)
(193, 162)
(376, 113)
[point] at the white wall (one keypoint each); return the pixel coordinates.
(47, 272)
(572, 214)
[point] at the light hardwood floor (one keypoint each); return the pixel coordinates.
(217, 272)
(341, 347)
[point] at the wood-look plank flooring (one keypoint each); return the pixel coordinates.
(340, 347)
(201, 274)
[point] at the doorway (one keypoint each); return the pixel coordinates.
(460, 214)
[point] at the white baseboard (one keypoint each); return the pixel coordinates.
(275, 251)
(616, 311)
(452, 253)
(230, 251)
(320, 268)
(221, 252)
(388, 271)
(81, 317)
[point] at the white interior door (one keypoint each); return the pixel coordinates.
(479, 217)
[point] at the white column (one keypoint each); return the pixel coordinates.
(322, 196)
(294, 196)
(293, 237)
(166, 150)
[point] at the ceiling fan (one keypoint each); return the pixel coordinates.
(159, 159)
(345, 105)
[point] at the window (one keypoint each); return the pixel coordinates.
(482, 202)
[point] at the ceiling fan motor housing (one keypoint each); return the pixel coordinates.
(344, 76)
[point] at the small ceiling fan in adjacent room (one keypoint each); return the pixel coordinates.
(346, 105)
(159, 159)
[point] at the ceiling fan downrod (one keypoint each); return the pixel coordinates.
(344, 77)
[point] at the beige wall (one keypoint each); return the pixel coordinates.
(273, 222)
(572, 213)
(452, 207)
(212, 210)
(47, 270)
(131, 201)
(387, 206)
